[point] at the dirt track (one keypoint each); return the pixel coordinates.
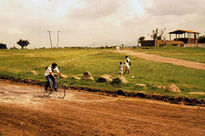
(83, 113)
(152, 57)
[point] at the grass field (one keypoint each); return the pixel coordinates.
(193, 54)
(21, 63)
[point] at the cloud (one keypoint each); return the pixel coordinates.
(176, 7)
(93, 9)
(82, 22)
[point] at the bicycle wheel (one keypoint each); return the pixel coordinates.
(61, 93)
(47, 93)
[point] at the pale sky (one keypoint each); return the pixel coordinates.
(95, 22)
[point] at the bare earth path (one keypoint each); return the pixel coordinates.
(83, 113)
(152, 57)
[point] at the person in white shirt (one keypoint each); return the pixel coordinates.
(50, 76)
(128, 59)
(121, 68)
(127, 67)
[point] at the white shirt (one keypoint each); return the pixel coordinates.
(49, 70)
(121, 67)
(127, 65)
(127, 59)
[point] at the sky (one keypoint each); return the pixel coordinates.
(95, 22)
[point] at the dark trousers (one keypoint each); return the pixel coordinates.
(50, 78)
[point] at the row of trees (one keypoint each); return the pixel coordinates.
(22, 43)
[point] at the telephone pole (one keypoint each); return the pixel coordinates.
(49, 33)
(58, 38)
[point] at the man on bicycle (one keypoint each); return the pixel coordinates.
(50, 76)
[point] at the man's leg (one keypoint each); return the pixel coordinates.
(54, 82)
(48, 84)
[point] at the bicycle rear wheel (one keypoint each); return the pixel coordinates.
(61, 93)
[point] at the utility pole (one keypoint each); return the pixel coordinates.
(49, 33)
(58, 38)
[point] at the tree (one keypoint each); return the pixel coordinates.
(202, 39)
(156, 34)
(23, 43)
(142, 38)
(3, 46)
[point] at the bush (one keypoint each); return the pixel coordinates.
(3, 46)
(202, 39)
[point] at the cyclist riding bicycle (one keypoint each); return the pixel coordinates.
(50, 76)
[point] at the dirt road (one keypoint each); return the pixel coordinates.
(152, 57)
(84, 113)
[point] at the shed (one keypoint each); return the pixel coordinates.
(186, 36)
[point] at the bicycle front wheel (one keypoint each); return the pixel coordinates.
(46, 93)
(61, 93)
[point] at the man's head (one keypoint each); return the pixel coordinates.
(54, 65)
(126, 57)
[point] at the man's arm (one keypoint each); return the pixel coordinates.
(52, 75)
(60, 74)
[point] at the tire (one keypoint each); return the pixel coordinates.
(61, 93)
(47, 93)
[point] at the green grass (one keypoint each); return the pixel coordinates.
(21, 63)
(193, 54)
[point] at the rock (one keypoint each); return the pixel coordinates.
(65, 76)
(173, 88)
(160, 87)
(105, 78)
(34, 72)
(76, 78)
(120, 80)
(87, 76)
(143, 86)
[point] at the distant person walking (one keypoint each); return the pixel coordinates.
(121, 68)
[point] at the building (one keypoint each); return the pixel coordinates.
(183, 38)
(188, 37)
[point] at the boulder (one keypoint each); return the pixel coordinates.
(34, 72)
(160, 87)
(173, 88)
(120, 80)
(87, 76)
(105, 78)
(75, 78)
(141, 86)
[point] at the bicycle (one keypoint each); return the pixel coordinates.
(61, 91)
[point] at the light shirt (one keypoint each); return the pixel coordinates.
(49, 70)
(127, 59)
(127, 65)
(121, 67)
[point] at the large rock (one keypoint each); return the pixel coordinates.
(87, 76)
(105, 78)
(120, 80)
(160, 87)
(141, 86)
(173, 88)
